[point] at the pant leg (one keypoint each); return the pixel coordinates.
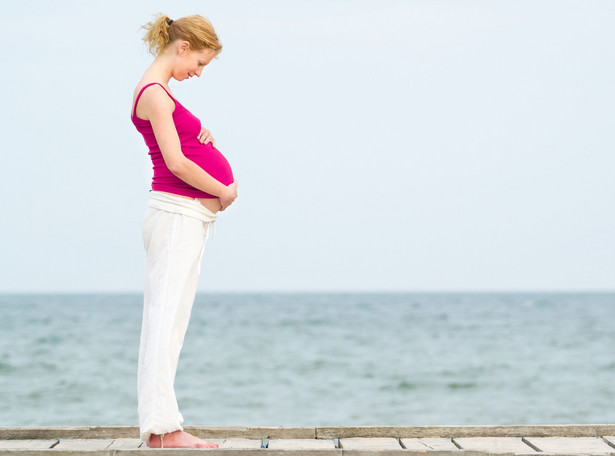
(174, 245)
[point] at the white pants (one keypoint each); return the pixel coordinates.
(174, 233)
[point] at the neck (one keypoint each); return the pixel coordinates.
(161, 68)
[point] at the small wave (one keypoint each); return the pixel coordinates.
(6, 368)
(407, 385)
(52, 339)
(608, 367)
(34, 395)
(461, 385)
(403, 386)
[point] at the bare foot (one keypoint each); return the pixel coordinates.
(178, 439)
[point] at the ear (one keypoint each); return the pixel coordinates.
(183, 47)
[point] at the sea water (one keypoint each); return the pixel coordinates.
(310, 359)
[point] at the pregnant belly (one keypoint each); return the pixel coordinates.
(211, 160)
(216, 165)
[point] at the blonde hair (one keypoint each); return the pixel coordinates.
(194, 29)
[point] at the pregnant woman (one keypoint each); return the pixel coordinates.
(192, 182)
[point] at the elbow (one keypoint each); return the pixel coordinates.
(177, 167)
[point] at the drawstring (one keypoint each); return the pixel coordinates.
(206, 225)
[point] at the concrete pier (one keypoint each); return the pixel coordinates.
(545, 440)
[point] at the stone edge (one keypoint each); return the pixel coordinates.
(320, 432)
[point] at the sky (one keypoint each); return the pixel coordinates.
(377, 145)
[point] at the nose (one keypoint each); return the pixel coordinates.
(198, 72)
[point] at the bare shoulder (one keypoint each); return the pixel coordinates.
(154, 102)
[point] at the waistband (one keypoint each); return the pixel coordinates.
(188, 207)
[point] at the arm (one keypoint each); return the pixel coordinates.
(159, 110)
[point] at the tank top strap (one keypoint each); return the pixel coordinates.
(134, 109)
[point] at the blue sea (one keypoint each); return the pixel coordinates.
(311, 359)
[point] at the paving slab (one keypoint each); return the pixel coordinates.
(125, 444)
(495, 444)
(240, 443)
(83, 444)
(428, 444)
(373, 443)
(300, 444)
(589, 445)
(27, 444)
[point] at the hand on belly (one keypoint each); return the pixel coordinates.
(205, 136)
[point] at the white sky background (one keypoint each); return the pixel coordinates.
(378, 145)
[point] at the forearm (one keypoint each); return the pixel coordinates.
(197, 177)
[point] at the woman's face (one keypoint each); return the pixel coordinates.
(191, 63)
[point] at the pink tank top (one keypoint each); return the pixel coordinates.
(205, 155)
